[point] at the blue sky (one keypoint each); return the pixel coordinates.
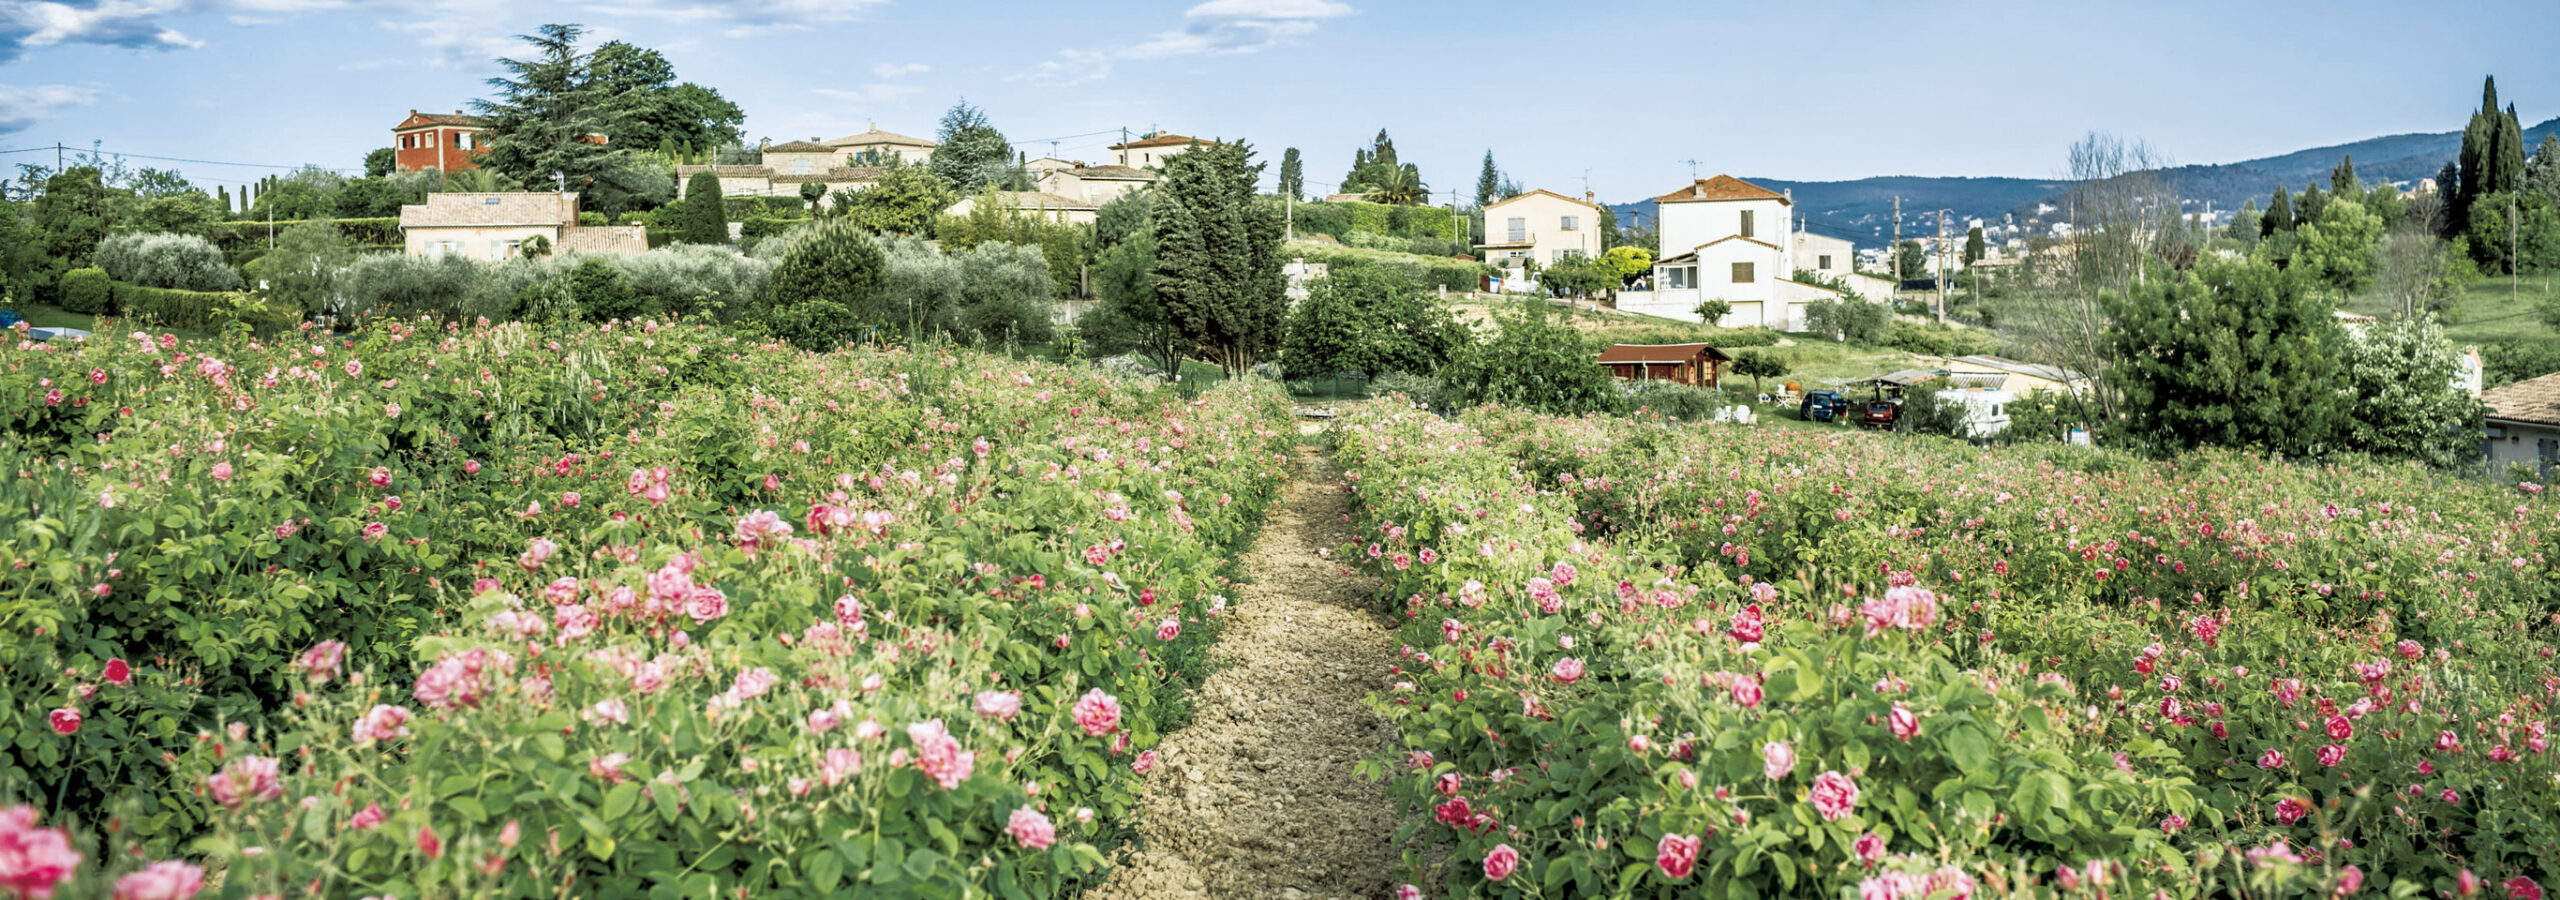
(1626, 92)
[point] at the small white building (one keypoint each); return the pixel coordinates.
(1986, 410)
(1151, 151)
(1539, 226)
(1727, 239)
(1050, 207)
(1094, 184)
(2524, 424)
(496, 227)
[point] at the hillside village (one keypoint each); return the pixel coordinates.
(1716, 279)
(578, 492)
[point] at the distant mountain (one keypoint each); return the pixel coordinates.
(1862, 210)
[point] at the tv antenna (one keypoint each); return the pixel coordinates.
(1693, 168)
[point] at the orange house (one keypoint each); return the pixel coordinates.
(1692, 364)
(437, 141)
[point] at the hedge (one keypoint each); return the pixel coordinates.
(1340, 219)
(87, 291)
(767, 226)
(785, 207)
(192, 310)
(1427, 271)
(233, 237)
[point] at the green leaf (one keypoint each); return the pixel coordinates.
(619, 800)
(825, 870)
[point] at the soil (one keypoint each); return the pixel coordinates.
(1256, 797)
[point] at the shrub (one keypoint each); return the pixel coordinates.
(920, 288)
(1425, 391)
(1673, 400)
(178, 261)
(1370, 320)
(762, 227)
(1852, 320)
(236, 238)
(1429, 272)
(1927, 410)
(835, 264)
(1936, 339)
(1538, 362)
(88, 291)
(1004, 295)
(704, 216)
(602, 293)
(686, 280)
(400, 286)
(199, 310)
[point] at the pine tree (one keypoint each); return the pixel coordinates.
(973, 153)
(2279, 215)
(1973, 245)
(2342, 180)
(2308, 207)
(2242, 355)
(1218, 256)
(1488, 182)
(706, 213)
(1293, 175)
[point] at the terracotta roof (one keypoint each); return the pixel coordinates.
(1721, 187)
(726, 171)
(1542, 191)
(835, 174)
(2535, 400)
(418, 119)
(1107, 173)
(1661, 353)
(799, 147)
(1037, 200)
(876, 136)
(484, 210)
(1162, 140)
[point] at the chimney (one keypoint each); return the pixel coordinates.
(413, 110)
(763, 142)
(457, 112)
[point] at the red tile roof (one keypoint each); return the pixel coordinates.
(1660, 353)
(1162, 140)
(1721, 187)
(1524, 194)
(2535, 400)
(418, 119)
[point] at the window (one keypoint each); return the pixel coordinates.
(800, 165)
(1570, 223)
(501, 251)
(1746, 223)
(1679, 278)
(1823, 262)
(1562, 255)
(1518, 228)
(1742, 272)
(463, 141)
(430, 138)
(2548, 449)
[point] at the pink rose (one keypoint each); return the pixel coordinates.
(245, 779)
(2340, 729)
(2173, 824)
(2272, 759)
(1869, 849)
(706, 603)
(2332, 754)
(2291, 809)
(1168, 629)
(1500, 863)
(1567, 671)
(1000, 705)
(1030, 829)
(380, 477)
(1905, 725)
(382, 723)
(2522, 888)
(65, 720)
(838, 765)
(1098, 713)
(321, 662)
(165, 880)
(1746, 692)
(119, 672)
(1834, 795)
(1146, 762)
(938, 754)
(1677, 855)
(1777, 759)
(367, 818)
(33, 861)
(222, 471)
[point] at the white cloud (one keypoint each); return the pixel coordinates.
(1214, 27)
(22, 107)
(899, 70)
(115, 23)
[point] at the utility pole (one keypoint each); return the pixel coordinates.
(1942, 265)
(1893, 251)
(2514, 265)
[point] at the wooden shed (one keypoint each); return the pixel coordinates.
(1692, 364)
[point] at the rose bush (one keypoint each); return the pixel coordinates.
(516, 498)
(1647, 660)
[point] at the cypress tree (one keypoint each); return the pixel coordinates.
(2506, 159)
(1293, 175)
(1218, 256)
(2279, 215)
(1488, 182)
(2479, 144)
(2342, 180)
(2307, 209)
(706, 213)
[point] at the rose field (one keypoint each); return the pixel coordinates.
(652, 610)
(1644, 660)
(620, 611)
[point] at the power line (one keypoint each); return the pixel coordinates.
(102, 151)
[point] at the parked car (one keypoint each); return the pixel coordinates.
(1882, 413)
(1822, 406)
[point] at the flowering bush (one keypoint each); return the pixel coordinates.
(1643, 660)
(603, 604)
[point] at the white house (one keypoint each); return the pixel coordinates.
(1540, 226)
(2524, 424)
(1727, 239)
(498, 226)
(1094, 184)
(1051, 207)
(1151, 151)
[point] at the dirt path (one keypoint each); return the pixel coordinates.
(1256, 798)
